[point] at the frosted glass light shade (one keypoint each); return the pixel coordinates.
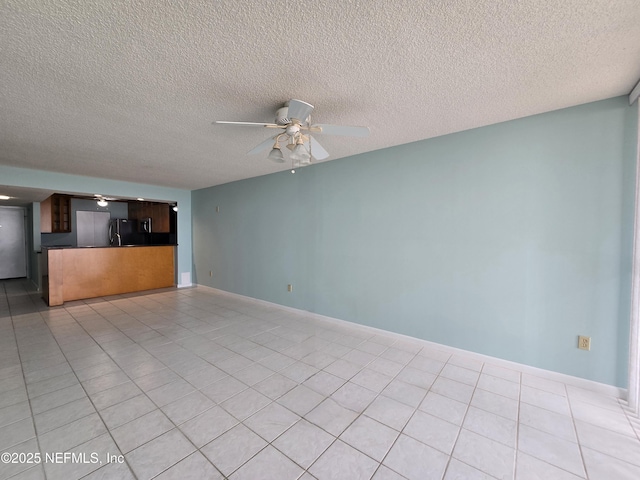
(305, 161)
(300, 154)
(275, 155)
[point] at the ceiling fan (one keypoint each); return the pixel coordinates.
(294, 121)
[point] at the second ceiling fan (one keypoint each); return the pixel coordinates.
(294, 121)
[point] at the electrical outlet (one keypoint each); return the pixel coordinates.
(289, 288)
(217, 209)
(210, 273)
(584, 343)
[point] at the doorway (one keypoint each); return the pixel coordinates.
(13, 246)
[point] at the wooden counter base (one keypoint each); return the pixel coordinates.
(77, 273)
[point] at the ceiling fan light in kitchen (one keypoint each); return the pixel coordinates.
(102, 202)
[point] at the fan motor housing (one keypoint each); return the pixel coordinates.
(292, 130)
(282, 116)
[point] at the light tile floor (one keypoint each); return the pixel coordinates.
(197, 384)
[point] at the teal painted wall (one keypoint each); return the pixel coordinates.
(63, 183)
(509, 240)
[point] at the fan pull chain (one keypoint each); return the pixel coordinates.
(310, 153)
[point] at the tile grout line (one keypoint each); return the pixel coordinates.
(181, 377)
(118, 403)
(517, 439)
(196, 449)
(175, 426)
(378, 394)
(575, 431)
(97, 411)
(302, 417)
(15, 339)
(218, 404)
(327, 397)
(466, 412)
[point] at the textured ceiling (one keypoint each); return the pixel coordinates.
(22, 196)
(128, 89)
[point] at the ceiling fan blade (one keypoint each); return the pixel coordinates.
(261, 147)
(249, 123)
(343, 130)
(299, 109)
(317, 151)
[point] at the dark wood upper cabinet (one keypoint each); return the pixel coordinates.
(157, 212)
(55, 214)
(160, 218)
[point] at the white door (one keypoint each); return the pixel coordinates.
(13, 248)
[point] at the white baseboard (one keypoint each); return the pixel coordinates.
(584, 383)
(185, 285)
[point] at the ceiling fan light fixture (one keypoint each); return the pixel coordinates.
(305, 160)
(102, 202)
(299, 154)
(275, 155)
(293, 120)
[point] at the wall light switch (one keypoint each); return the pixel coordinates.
(289, 288)
(584, 343)
(217, 209)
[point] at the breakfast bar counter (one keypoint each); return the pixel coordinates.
(77, 273)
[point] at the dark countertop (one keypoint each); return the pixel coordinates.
(53, 247)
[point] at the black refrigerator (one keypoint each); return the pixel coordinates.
(123, 232)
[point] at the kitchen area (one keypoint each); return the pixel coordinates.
(103, 246)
